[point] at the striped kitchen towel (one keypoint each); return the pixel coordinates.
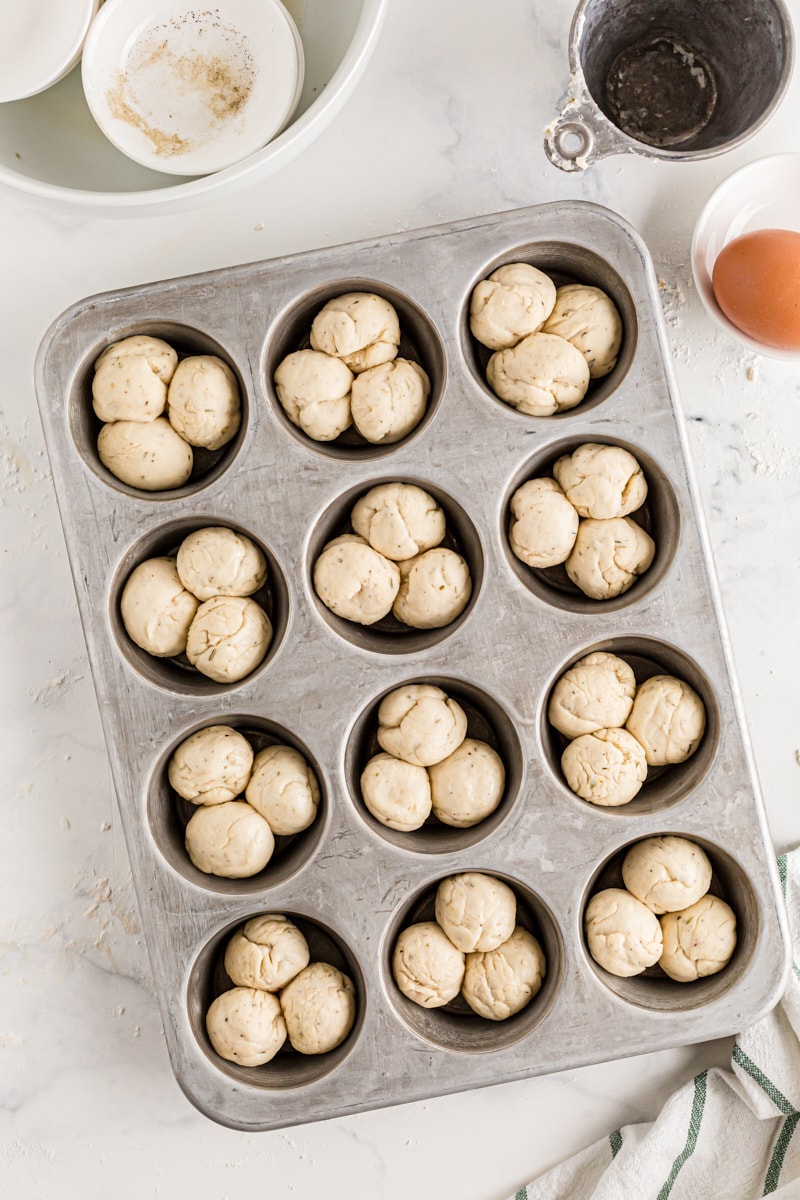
(726, 1135)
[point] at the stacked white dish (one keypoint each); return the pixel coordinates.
(51, 147)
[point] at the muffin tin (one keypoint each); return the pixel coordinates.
(347, 883)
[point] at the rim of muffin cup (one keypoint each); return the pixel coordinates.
(565, 263)
(168, 813)
(653, 989)
(208, 979)
(420, 342)
(84, 425)
(390, 636)
(659, 516)
(454, 1026)
(488, 721)
(664, 786)
(177, 674)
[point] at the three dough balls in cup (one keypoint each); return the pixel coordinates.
(352, 375)
(618, 729)
(581, 517)
(429, 766)
(394, 562)
(664, 914)
(278, 994)
(199, 603)
(475, 948)
(244, 799)
(549, 342)
(154, 409)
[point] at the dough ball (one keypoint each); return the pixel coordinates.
(314, 390)
(435, 588)
(544, 524)
(360, 328)
(420, 724)
(608, 556)
(160, 356)
(319, 1007)
(477, 912)
(211, 766)
(246, 1026)
(131, 377)
(607, 767)
(399, 520)
(266, 953)
(589, 319)
(228, 638)
(157, 611)
(666, 873)
(347, 539)
(231, 840)
(668, 718)
(596, 693)
(220, 562)
(467, 785)
(354, 581)
(397, 793)
(203, 403)
(498, 983)
(426, 966)
(602, 481)
(389, 400)
(699, 940)
(623, 935)
(514, 301)
(150, 456)
(284, 789)
(539, 376)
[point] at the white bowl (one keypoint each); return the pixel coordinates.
(52, 149)
(191, 90)
(41, 42)
(762, 195)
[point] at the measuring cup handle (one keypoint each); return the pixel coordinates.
(576, 138)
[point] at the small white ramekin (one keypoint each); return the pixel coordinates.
(41, 42)
(187, 90)
(762, 195)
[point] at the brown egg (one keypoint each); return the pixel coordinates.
(756, 282)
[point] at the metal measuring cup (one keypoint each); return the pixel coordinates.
(671, 79)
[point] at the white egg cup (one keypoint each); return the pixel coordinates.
(761, 195)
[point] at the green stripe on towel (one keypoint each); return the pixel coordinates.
(777, 1097)
(782, 873)
(522, 1194)
(698, 1104)
(615, 1138)
(779, 1153)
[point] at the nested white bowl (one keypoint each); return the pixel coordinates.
(191, 91)
(52, 149)
(40, 43)
(761, 195)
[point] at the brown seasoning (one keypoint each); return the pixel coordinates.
(221, 85)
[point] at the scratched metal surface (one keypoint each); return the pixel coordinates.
(350, 883)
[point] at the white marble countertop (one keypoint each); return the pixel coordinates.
(445, 124)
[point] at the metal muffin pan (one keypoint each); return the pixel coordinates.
(351, 884)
